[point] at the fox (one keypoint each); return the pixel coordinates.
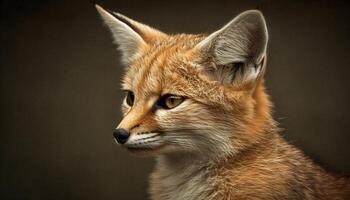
(197, 103)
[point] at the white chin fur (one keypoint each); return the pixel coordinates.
(146, 140)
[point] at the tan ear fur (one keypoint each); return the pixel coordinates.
(130, 35)
(236, 51)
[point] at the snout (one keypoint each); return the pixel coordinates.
(121, 135)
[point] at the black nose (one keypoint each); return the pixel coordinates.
(121, 135)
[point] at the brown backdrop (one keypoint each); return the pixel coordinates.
(60, 92)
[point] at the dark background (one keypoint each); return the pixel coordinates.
(60, 92)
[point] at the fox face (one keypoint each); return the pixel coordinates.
(196, 94)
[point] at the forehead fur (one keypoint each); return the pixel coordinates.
(170, 66)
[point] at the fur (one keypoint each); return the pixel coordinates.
(221, 142)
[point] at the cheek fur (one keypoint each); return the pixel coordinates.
(187, 114)
(194, 127)
(192, 116)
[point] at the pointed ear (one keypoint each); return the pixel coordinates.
(131, 36)
(236, 52)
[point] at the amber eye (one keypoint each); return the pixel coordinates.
(130, 97)
(170, 101)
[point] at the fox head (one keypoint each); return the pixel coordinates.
(195, 94)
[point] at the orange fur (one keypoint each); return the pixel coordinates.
(221, 142)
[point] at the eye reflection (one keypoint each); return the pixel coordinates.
(130, 98)
(170, 101)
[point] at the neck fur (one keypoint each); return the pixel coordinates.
(181, 176)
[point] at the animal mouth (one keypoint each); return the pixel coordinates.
(144, 142)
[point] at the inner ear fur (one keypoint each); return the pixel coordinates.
(237, 50)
